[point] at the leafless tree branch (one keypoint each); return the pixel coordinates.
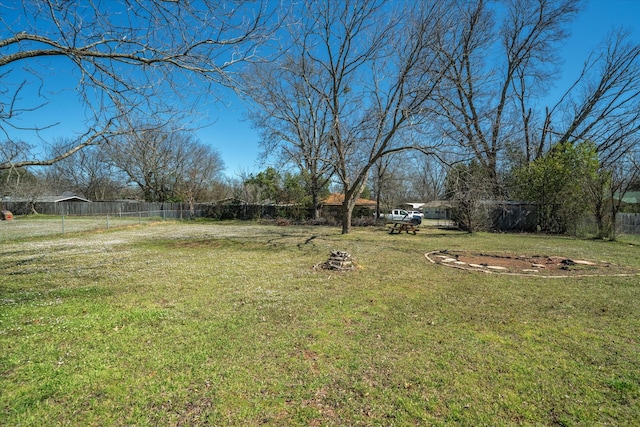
(125, 56)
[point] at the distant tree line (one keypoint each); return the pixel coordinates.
(390, 99)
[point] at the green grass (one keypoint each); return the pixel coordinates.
(228, 324)
(29, 226)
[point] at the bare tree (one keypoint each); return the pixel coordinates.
(492, 89)
(20, 184)
(166, 164)
(374, 69)
(86, 173)
(408, 177)
(468, 188)
(292, 117)
(603, 104)
(202, 171)
(12, 152)
(383, 182)
(126, 57)
(483, 92)
(16, 182)
(427, 177)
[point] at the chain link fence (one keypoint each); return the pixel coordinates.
(27, 226)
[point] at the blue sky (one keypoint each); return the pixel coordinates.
(597, 19)
(238, 143)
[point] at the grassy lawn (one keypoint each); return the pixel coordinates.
(27, 226)
(229, 324)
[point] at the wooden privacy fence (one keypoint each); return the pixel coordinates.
(628, 223)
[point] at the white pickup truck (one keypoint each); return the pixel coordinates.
(401, 215)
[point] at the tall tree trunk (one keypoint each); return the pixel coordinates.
(347, 211)
(315, 202)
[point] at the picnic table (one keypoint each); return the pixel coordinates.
(399, 227)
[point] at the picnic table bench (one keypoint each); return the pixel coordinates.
(399, 227)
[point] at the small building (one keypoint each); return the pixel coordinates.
(514, 216)
(630, 201)
(437, 209)
(332, 204)
(64, 197)
(414, 206)
(64, 204)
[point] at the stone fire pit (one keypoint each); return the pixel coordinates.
(339, 261)
(530, 265)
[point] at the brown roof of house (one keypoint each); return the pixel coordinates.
(336, 199)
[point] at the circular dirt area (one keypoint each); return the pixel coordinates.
(536, 265)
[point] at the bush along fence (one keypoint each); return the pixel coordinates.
(244, 211)
(515, 218)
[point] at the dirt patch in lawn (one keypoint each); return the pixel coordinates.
(529, 265)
